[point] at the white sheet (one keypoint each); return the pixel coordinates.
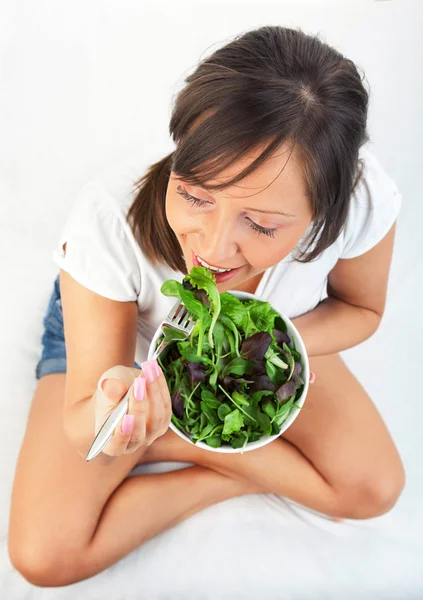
(244, 548)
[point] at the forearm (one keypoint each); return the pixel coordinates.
(79, 428)
(335, 325)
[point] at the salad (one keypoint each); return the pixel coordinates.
(238, 375)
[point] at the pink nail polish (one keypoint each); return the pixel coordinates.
(139, 388)
(312, 377)
(148, 371)
(127, 424)
(156, 367)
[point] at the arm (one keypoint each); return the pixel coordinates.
(99, 334)
(355, 304)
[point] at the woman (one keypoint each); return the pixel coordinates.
(270, 180)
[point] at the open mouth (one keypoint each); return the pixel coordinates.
(219, 274)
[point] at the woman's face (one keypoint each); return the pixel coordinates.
(244, 226)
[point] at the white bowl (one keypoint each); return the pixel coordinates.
(305, 374)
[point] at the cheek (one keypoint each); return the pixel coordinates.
(264, 252)
(181, 218)
(174, 214)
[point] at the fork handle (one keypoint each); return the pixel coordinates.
(160, 349)
(106, 430)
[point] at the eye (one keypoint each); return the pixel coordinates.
(259, 229)
(197, 202)
(191, 199)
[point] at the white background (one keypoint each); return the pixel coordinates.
(87, 83)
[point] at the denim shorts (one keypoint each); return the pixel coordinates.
(53, 357)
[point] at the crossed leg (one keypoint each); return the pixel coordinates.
(337, 457)
(70, 519)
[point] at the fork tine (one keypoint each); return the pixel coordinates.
(181, 316)
(190, 326)
(186, 320)
(190, 323)
(173, 311)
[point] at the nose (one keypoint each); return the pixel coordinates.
(218, 239)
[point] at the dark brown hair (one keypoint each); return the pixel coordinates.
(268, 86)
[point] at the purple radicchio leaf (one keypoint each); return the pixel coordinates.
(255, 347)
(231, 384)
(201, 295)
(196, 373)
(259, 367)
(296, 378)
(187, 285)
(281, 337)
(286, 390)
(262, 382)
(177, 404)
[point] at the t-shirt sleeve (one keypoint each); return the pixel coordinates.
(100, 253)
(374, 207)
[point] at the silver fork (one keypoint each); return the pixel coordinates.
(178, 320)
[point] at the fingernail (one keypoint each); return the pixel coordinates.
(102, 382)
(148, 370)
(156, 367)
(312, 377)
(139, 388)
(127, 424)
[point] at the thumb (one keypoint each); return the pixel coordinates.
(115, 382)
(113, 388)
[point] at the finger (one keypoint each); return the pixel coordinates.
(156, 409)
(167, 401)
(111, 387)
(120, 438)
(123, 372)
(114, 390)
(106, 400)
(138, 406)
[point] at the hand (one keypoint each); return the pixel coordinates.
(147, 418)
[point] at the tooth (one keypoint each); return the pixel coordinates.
(213, 269)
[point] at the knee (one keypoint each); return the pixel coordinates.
(42, 567)
(373, 495)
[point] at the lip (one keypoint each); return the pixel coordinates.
(219, 277)
(215, 266)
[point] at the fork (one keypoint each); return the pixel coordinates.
(180, 321)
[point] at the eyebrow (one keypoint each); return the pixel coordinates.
(270, 212)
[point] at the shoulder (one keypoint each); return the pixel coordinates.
(101, 251)
(374, 206)
(104, 201)
(375, 185)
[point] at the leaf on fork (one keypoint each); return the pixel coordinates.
(171, 334)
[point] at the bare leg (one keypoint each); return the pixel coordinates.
(145, 505)
(70, 519)
(337, 457)
(277, 468)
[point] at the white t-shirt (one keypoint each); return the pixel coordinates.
(102, 253)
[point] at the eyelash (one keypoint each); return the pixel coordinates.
(257, 228)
